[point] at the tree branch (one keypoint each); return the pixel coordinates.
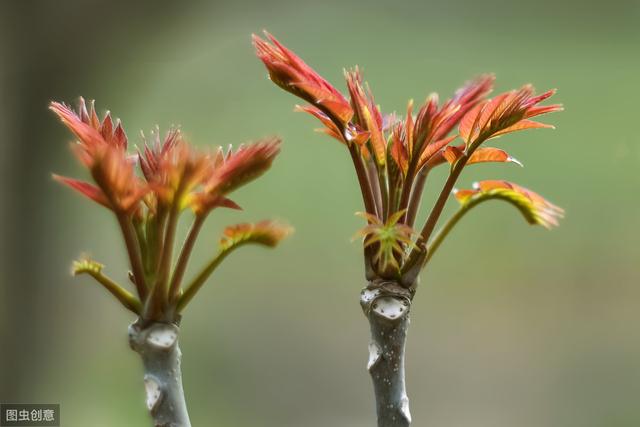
(157, 344)
(386, 305)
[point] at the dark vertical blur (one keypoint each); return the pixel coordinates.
(49, 50)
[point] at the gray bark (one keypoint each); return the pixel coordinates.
(386, 305)
(157, 344)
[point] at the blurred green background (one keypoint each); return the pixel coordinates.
(512, 325)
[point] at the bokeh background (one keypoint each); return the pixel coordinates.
(512, 325)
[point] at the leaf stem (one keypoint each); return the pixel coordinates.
(161, 220)
(384, 193)
(363, 180)
(435, 243)
(183, 259)
(202, 277)
(159, 294)
(133, 250)
(125, 297)
(416, 196)
(416, 257)
(406, 192)
(372, 173)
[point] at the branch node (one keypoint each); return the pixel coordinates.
(374, 354)
(162, 336)
(154, 392)
(386, 299)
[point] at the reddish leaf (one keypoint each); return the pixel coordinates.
(87, 135)
(464, 195)
(292, 74)
(399, 150)
(432, 149)
(88, 128)
(409, 125)
(468, 122)
(352, 133)
(102, 149)
(228, 203)
(523, 125)
(503, 114)
(452, 154)
(480, 155)
(236, 169)
(173, 169)
(464, 100)
(367, 115)
(491, 154)
(88, 190)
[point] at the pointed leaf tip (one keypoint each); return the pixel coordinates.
(88, 190)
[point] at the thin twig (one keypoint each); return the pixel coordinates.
(125, 297)
(161, 220)
(363, 180)
(416, 257)
(435, 243)
(416, 197)
(159, 294)
(133, 250)
(183, 259)
(201, 278)
(384, 193)
(372, 174)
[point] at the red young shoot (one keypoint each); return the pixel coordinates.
(393, 156)
(173, 177)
